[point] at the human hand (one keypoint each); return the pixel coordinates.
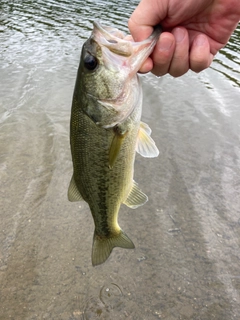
(194, 31)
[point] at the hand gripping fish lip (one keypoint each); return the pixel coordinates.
(122, 58)
(118, 42)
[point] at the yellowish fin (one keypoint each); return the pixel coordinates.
(136, 197)
(103, 246)
(73, 192)
(146, 147)
(116, 146)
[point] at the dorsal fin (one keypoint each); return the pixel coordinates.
(73, 192)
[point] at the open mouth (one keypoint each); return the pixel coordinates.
(123, 46)
(113, 39)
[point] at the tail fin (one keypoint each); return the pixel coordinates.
(102, 247)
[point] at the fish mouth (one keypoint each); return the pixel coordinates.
(113, 39)
(118, 47)
(109, 32)
(124, 57)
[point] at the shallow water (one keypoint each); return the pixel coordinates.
(186, 264)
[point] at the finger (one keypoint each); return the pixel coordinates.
(180, 61)
(200, 55)
(163, 53)
(146, 66)
(146, 15)
(148, 63)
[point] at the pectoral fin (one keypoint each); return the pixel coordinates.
(146, 147)
(136, 197)
(73, 192)
(116, 146)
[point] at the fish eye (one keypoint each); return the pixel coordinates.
(90, 62)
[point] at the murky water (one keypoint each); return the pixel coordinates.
(186, 264)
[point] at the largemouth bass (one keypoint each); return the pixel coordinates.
(106, 132)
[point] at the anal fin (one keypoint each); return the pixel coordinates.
(136, 197)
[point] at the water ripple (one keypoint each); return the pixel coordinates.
(227, 61)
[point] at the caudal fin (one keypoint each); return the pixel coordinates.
(102, 247)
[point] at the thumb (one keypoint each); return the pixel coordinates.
(147, 14)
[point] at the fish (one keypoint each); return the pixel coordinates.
(106, 132)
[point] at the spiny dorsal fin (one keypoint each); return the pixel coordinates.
(136, 197)
(146, 147)
(103, 246)
(73, 192)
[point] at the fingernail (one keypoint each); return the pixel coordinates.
(165, 44)
(200, 40)
(179, 34)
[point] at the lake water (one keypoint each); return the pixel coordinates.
(186, 264)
